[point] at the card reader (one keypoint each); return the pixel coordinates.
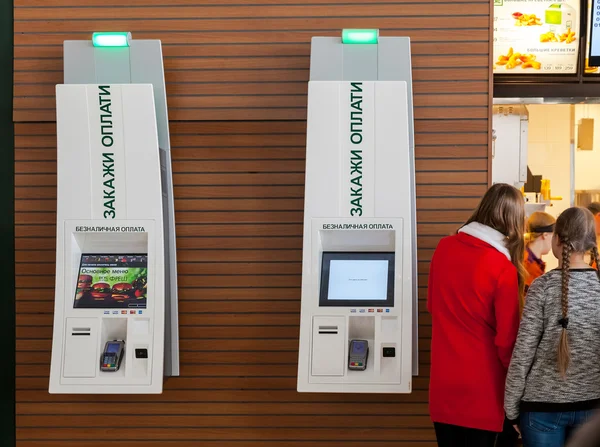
(112, 355)
(358, 355)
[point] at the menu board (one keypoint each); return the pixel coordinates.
(593, 22)
(536, 36)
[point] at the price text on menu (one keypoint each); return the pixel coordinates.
(536, 36)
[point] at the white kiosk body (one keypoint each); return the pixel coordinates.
(115, 317)
(359, 259)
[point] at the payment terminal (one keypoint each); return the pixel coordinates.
(112, 355)
(358, 355)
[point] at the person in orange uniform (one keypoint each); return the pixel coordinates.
(594, 208)
(538, 240)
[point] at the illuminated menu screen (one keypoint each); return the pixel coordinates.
(536, 37)
(109, 281)
(593, 38)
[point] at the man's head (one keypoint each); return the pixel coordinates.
(594, 207)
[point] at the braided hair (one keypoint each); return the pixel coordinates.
(564, 353)
(595, 260)
(576, 232)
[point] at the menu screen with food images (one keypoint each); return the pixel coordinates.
(112, 281)
(536, 37)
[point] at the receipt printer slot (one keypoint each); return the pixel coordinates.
(81, 348)
(328, 346)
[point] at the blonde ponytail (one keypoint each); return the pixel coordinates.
(538, 224)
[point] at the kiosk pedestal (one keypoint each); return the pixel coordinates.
(359, 259)
(114, 326)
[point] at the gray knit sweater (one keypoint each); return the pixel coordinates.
(533, 382)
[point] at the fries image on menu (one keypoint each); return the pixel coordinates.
(567, 37)
(513, 60)
(526, 19)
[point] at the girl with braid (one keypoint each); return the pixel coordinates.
(553, 381)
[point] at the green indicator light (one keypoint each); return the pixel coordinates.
(111, 39)
(360, 36)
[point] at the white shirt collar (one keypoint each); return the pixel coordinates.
(487, 235)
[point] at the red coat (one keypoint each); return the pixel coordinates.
(473, 301)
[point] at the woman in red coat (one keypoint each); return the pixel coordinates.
(476, 284)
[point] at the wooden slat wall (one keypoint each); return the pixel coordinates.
(237, 74)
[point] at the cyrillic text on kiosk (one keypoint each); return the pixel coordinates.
(115, 315)
(358, 314)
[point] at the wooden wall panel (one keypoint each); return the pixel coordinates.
(237, 74)
(240, 60)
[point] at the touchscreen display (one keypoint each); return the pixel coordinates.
(113, 348)
(358, 279)
(359, 348)
(594, 35)
(112, 281)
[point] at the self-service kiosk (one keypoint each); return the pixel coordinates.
(358, 313)
(115, 314)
